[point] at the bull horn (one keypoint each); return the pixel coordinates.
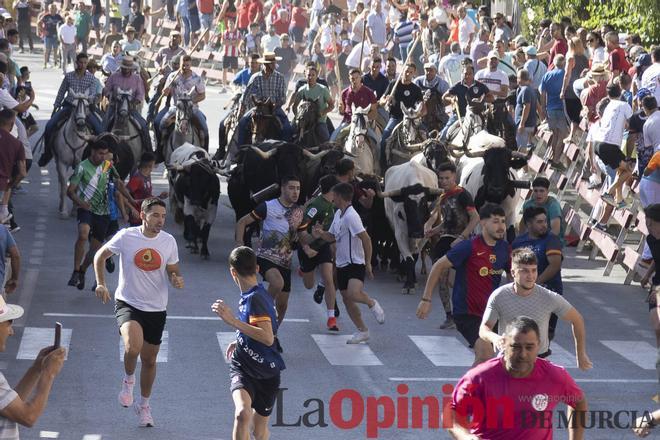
(313, 156)
(471, 155)
(452, 153)
(123, 137)
(434, 191)
(263, 154)
(519, 155)
(393, 193)
(87, 137)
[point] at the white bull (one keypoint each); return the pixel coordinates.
(408, 189)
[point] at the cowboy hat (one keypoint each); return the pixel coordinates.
(9, 312)
(598, 69)
(127, 63)
(268, 58)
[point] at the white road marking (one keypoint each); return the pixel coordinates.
(36, 262)
(162, 353)
(338, 352)
(645, 333)
(173, 317)
(38, 243)
(224, 339)
(40, 235)
(37, 252)
(39, 227)
(42, 220)
(26, 292)
(36, 338)
(48, 434)
(611, 310)
(629, 322)
(92, 437)
(593, 299)
(640, 353)
(444, 351)
(561, 356)
(456, 379)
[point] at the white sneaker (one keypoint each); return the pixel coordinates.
(378, 312)
(358, 338)
(4, 219)
(144, 415)
(126, 393)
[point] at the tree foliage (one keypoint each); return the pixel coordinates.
(632, 16)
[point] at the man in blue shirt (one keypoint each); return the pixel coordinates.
(553, 106)
(255, 363)
(242, 78)
(526, 117)
(547, 248)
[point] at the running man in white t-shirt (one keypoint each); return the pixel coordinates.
(352, 258)
(148, 256)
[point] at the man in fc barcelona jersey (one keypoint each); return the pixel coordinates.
(479, 265)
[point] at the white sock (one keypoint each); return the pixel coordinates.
(331, 313)
(4, 210)
(144, 401)
(321, 283)
(129, 378)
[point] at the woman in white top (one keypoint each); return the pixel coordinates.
(596, 48)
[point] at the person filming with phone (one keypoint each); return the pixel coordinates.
(25, 403)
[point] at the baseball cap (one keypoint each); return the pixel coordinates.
(430, 66)
(9, 312)
(530, 50)
(641, 93)
(493, 54)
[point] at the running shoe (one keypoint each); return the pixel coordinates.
(318, 294)
(358, 338)
(110, 265)
(332, 325)
(144, 415)
(378, 312)
(126, 393)
(73, 281)
(448, 324)
(609, 199)
(15, 229)
(81, 281)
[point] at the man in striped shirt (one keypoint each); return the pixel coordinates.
(403, 35)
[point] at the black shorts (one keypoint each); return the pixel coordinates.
(98, 224)
(610, 154)
(152, 323)
(263, 392)
(307, 264)
(573, 109)
(297, 34)
(468, 327)
(229, 62)
(346, 273)
(442, 247)
(113, 227)
(266, 265)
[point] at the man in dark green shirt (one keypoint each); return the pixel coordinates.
(317, 253)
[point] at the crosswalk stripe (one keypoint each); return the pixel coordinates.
(92, 437)
(162, 353)
(224, 339)
(36, 338)
(444, 351)
(640, 353)
(338, 352)
(48, 434)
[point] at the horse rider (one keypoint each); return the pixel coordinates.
(127, 79)
(165, 54)
(498, 83)
(303, 81)
(268, 83)
(78, 81)
(178, 84)
(407, 93)
(314, 91)
(432, 81)
(358, 95)
(172, 66)
(110, 61)
(463, 93)
(376, 81)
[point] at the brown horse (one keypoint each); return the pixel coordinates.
(265, 124)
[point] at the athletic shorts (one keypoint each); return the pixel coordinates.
(468, 327)
(557, 120)
(229, 62)
(263, 392)
(51, 43)
(152, 323)
(309, 264)
(98, 224)
(266, 265)
(610, 154)
(346, 273)
(298, 34)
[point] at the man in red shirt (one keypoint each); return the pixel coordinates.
(12, 155)
(358, 95)
(513, 396)
(139, 185)
(256, 13)
(559, 46)
(243, 17)
(205, 8)
(595, 92)
(617, 56)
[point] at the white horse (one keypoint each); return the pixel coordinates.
(360, 145)
(69, 142)
(184, 130)
(129, 132)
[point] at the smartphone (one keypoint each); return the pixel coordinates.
(58, 334)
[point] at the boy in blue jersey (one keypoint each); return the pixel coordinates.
(255, 363)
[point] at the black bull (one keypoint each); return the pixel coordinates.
(266, 163)
(196, 192)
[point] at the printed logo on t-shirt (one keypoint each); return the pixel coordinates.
(148, 259)
(540, 402)
(492, 258)
(406, 93)
(483, 271)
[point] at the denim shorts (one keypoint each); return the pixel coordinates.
(206, 20)
(557, 120)
(50, 43)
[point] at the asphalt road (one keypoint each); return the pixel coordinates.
(191, 397)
